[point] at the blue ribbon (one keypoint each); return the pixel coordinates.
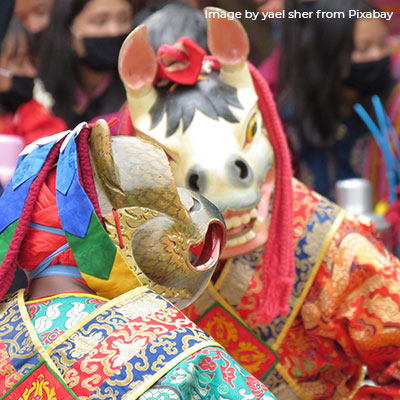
(13, 199)
(74, 207)
(382, 138)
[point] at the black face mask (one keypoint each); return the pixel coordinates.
(102, 52)
(369, 77)
(21, 92)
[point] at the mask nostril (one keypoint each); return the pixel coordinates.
(242, 169)
(194, 182)
(238, 171)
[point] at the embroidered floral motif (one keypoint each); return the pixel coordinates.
(49, 337)
(75, 314)
(126, 351)
(208, 364)
(54, 316)
(203, 375)
(247, 349)
(256, 387)
(41, 390)
(83, 344)
(143, 305)
(45, 322)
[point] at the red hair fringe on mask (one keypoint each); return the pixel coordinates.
(278, 257)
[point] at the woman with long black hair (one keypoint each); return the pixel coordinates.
(80, 56)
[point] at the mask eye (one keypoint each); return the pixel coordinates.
(251, 129)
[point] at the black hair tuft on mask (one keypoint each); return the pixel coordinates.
(210, 96)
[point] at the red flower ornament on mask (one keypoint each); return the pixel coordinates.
(180, 63)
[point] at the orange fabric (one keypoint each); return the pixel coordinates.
(37, 244)
(31, 121)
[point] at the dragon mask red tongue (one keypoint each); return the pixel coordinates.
(209, 250)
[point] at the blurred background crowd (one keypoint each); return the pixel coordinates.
(58, 67)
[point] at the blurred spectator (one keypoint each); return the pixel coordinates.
(35, 15)
(269, 67)
(6, 10)
(391, 6)
(327, 66)
(19, 114)
(22, 119)
(81, 50)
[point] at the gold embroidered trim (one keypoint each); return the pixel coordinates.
(295, 386)
(223, 302)
(358, 385)
(335, 226)
(32, 332)
(56, 296)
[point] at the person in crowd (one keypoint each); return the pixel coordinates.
(345, 61)
(35, 15)
(81, 50)
(269, 67)
(19, 114)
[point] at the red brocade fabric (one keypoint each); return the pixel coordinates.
(348, 319)
(38, 244)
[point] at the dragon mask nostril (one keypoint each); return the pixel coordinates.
(194, 182)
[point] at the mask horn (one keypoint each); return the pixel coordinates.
(137, 66)
(227, 39)
(103, 160)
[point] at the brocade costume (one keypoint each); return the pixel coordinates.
(136, 346)
(344, 310)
